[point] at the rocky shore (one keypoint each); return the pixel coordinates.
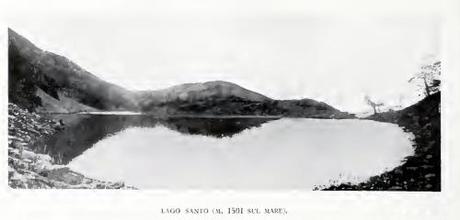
(421, 171)
(29, 169)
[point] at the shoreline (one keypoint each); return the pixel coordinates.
(419, 172)
(156, 116)
(28, 169)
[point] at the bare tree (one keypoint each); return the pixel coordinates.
(428, 78)
(375, 106)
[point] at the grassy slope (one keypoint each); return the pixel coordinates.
(31, 68)
(62, 105)
(422, 171)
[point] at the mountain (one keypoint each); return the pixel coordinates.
(198, 91)
(31, 69)
(46, 82)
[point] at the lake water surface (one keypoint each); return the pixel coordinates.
(229, 153)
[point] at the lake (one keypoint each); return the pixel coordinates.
(227, 153)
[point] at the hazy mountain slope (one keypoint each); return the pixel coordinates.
(235, 105)
(31, 68)
(225, 98)
(195, 92)
(43, 81)
(199, 91)
(62, 105)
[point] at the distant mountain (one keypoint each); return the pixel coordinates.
(199, 91)
(46, 82)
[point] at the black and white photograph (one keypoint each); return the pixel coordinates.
(242, 97)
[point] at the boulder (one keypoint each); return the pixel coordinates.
(65, 175)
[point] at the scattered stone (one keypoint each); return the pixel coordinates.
(65, 175)
(28, 169)
(28, 155)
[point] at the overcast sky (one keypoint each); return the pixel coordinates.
(282, 53)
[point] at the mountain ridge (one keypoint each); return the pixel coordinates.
(49, 82)
(31, 68)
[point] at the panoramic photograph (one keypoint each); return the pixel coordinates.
(238, 102)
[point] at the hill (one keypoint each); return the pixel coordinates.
(46, 82)
(31, 68)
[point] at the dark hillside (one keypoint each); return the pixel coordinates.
(31, 68)
(422, 171)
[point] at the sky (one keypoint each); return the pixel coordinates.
(284, 52)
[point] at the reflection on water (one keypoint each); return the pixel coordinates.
(281, 154)
(83, 131)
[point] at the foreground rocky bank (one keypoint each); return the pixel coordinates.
(421, 171)
(29, 169)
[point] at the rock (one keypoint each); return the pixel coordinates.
(65, 175)
(14, 153)
(395, 188)
(428, 126)
(28, 169)
(15, 176)
(28, 155)
(427, 166)
(42, 166)
(431, 144)
(398, 171)
(44, 158)
(118, 185)
(27, 160)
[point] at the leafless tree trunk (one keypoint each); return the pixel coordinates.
(374, 105)
(427, 87)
